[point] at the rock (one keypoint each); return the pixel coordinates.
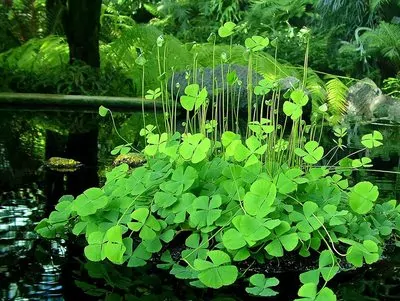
(62, 164)
(238, 91)
(132, 159)
(367, 103)
(205, 76)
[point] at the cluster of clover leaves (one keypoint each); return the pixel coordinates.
(232, 209)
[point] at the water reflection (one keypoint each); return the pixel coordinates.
(24, 275)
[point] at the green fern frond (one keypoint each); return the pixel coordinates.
(122, 53)
(37, 55)
(264, 63)
(336, 92)
(374, 5)
(269, 14)
(316, 86)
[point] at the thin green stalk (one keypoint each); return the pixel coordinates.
(249, 90)
(143, 114)
(162, 89)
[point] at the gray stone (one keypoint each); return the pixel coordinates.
(204, 77)
(367, 103)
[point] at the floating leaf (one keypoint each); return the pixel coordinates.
(103, 111)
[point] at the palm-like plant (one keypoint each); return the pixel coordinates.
(351, 13)
(384, 41)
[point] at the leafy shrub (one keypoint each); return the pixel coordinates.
(43, 63)
(391, 86)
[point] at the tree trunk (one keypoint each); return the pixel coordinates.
(82, 26)
(7, 3)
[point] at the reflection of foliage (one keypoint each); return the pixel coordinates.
(129, 126)
(122, 283)
(24, 148)
(378, 283)
(23, 137)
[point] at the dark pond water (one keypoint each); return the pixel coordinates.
(35, 269)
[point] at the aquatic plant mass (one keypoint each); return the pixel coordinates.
(230, 198)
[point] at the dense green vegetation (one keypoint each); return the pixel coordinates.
(349, 38)
(236, 174)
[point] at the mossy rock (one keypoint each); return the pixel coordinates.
(62, 164)
(132, 159)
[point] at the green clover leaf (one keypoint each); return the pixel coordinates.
(372, 140)
(226, 30)
(362, 197)
(262, 286)
(218, 272)
(312, 152)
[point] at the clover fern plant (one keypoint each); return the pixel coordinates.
(233, 209)
(233, 200)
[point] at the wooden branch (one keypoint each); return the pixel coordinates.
(30, 101)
